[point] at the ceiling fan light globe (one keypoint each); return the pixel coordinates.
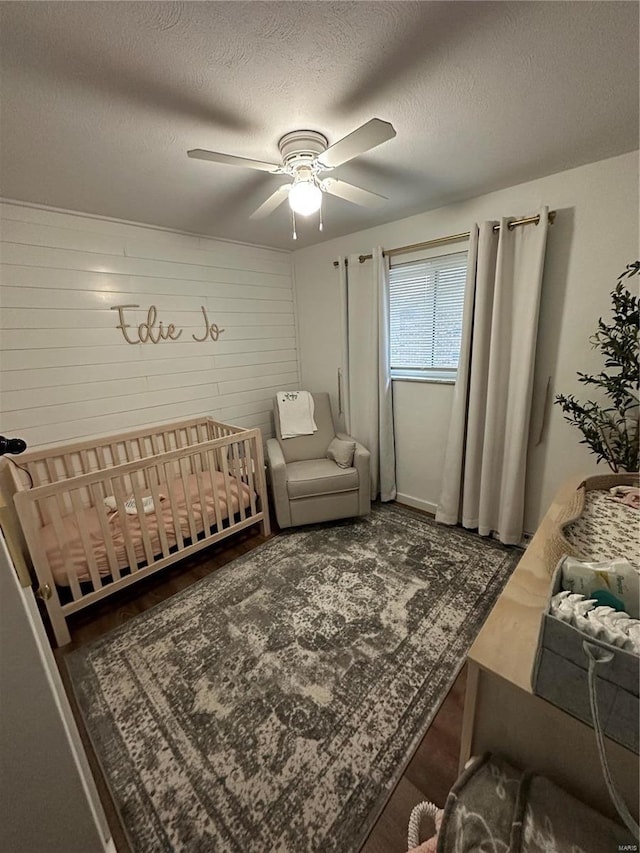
(305, 198)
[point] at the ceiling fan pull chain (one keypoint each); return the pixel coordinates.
(320, 225)
(293, 217)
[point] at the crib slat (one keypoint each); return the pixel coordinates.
(84, 461)
(211, 456)
(124, 526)
(67, 463)
(115, 455)
(195, 462)
(258, 460)
(248, 461)
(86, 542)
(227, 483)
(102, 461)
(40, 508)
(32, 468)
(170, 440)
(160, 519)
(125, 448)
(107, 533)
(169, 480)
(56, 513)
(51, 470)
(237, 473)
(142, 519)
(135, 442)
(190, 460)
(187, 499)
(86, 464)
(155, 445)
(71, 470)
(204, 511)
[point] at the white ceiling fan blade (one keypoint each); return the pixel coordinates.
(349, 192)
(363, 139)
(231, 160)
(274, 201)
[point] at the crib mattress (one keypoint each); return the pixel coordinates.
(76, 558)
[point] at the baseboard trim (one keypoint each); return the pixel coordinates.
(428, 506)
(417, 503)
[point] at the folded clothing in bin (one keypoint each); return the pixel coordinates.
(495, 807)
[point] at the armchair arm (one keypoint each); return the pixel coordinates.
(362, 464)
(277, 469)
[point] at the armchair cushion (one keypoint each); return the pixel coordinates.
(319, 477)
(309, 446)
(341, 452)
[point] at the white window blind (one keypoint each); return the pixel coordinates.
(426, 300)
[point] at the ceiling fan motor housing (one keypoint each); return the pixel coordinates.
(302, 147)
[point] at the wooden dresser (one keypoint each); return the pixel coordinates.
(502, 714)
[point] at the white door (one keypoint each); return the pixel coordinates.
(49, 800)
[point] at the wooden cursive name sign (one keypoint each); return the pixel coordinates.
(155, 331)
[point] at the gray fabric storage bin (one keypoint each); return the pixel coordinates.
(494, 806)
(560, 675)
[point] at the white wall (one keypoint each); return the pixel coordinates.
(594, 237)
(66, 370)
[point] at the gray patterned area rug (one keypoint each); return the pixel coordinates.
(272, 706)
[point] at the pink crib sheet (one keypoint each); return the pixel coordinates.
(76, 556)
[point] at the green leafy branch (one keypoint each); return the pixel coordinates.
(612, 431)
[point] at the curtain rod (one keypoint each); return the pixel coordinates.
(451, 238)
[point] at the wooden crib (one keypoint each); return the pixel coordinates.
(100, 515)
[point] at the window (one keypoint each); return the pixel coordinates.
(426, 300)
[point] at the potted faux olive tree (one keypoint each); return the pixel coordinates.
(610, 429)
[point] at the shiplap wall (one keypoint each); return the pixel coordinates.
(67, 372)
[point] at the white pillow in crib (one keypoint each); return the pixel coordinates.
(130, 505)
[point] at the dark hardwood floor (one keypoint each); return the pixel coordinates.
(428, 776)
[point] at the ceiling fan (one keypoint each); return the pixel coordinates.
(306, 155)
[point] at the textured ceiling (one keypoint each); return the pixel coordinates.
(101, 100)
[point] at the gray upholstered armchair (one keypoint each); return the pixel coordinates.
(307, 486)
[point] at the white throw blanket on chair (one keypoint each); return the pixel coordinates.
(295, 409)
